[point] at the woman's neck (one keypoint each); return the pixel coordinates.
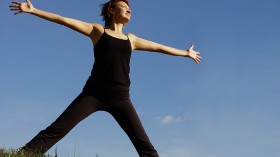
(116, 28)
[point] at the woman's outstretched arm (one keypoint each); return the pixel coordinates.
(79, 26)
(145, 45)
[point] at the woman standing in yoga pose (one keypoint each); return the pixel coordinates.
(107, 88)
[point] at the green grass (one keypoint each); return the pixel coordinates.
(16, 153)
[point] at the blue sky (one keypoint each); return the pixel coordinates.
(229, 105)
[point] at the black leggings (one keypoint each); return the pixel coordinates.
(115, 100)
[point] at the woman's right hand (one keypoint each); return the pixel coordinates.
(21, 7)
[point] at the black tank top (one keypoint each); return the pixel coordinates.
(112, 58)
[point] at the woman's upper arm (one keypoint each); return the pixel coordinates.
(143, 44)
(85, 28)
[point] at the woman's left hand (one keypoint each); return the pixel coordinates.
(194, 54)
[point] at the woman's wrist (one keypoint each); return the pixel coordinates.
(33, 11)
(186, 53)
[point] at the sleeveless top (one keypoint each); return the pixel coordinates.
(112, 58)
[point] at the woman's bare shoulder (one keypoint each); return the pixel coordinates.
(131, 36)
(98, 28)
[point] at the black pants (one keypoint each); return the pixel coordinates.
(115, 100)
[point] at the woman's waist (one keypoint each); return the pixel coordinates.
(112, 89)
(109, 83)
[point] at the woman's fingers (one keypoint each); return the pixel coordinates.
(15, 2)
(15, 6)
(196, 57)
(191, 47)
(18, 12)
(197, 60)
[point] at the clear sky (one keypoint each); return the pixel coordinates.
(227, 106)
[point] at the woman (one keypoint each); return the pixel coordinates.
(107, 88)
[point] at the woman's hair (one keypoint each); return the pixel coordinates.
(105, 10)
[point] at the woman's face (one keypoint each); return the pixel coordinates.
(121, 12)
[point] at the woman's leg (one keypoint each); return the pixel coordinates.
(125, 114)
(79, 109)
